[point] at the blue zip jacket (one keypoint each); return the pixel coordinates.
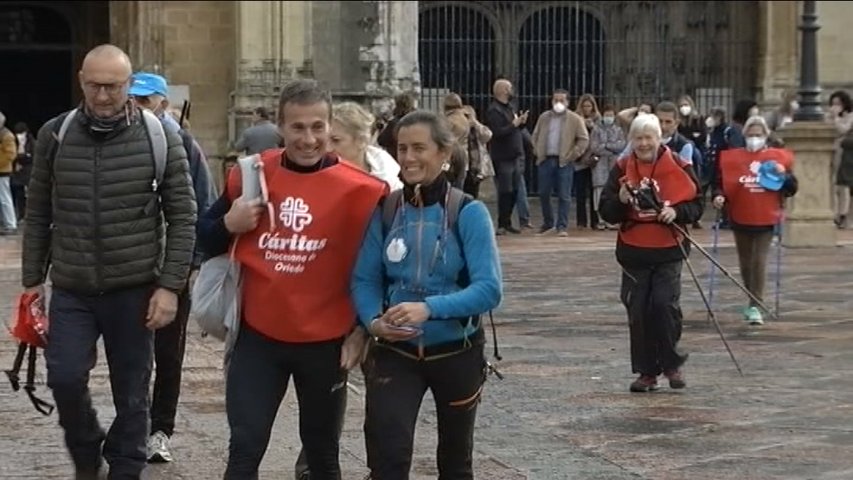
(429, 270)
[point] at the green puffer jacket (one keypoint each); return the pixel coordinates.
(91, 219)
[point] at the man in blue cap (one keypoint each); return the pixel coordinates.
(150, 91)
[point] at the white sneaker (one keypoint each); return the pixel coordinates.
(158, 448)
(754, 316)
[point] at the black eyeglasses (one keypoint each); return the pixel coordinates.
(111, 88)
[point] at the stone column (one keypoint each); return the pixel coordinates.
(137, 28)
(808, 221)
(778, 51)
(271, 49)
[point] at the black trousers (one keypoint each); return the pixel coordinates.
(301, 468)
(396, 385)
(583, 198)
(258, 374)
(169, 345)
(507, 177)
(19, 198)
(76, 323)
(651, 296)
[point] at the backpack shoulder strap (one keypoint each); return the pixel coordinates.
(159, 146)
(60, 128)
(455, 201)
(63, 127)
(389, 209)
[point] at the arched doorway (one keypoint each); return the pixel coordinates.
(456, 49)
(41, 45)
(559, 47)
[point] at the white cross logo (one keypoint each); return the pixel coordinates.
(294, 214)
(754, 167)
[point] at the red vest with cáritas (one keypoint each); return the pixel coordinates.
(749, 204)
(296, 273)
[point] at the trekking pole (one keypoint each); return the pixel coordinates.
(723, 270)
(779, 260)
(716, 230)
(705, 301)
(648, 200)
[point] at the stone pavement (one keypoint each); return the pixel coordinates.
(563, 410)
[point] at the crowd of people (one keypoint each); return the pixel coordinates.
(365, 247)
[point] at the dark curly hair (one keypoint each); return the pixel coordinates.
(844, 97)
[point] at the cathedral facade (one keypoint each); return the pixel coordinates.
(229, 57)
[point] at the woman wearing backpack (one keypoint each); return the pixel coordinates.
(424, 275)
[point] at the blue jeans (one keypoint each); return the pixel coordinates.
(522, 208)
(76, 322)
(554, 177)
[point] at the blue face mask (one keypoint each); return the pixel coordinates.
(607, 120)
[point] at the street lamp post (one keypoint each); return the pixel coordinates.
(809, 87)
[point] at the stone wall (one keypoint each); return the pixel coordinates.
(835, 39)
(199, 51)
(192, 44)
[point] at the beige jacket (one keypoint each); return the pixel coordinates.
(574, 138)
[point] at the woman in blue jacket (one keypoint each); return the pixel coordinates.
(424, 276)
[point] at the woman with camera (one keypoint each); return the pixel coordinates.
(752, 184)
(647, 190)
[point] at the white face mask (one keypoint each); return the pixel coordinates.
(608, 120)
(710, 122)
(754, 144)
(685, 110)
(559, 107)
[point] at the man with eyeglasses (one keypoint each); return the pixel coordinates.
(118, 246)
(151, 92)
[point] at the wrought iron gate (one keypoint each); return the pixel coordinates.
(624, 53)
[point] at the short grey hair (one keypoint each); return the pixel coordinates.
(756, 120)
(643, 124)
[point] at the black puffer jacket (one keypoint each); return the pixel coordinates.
(91, 217)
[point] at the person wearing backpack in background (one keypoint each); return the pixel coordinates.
(427, 270)
(151, 92)
(118, 244)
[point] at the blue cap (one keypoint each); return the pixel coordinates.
(145, 84)
(770, 178)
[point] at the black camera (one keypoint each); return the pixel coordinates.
(646, 198)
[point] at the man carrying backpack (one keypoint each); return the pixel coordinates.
(151, 92)
(111, 213)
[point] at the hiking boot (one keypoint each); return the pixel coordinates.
(158, 448)
(645, 383)
(676, 379)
